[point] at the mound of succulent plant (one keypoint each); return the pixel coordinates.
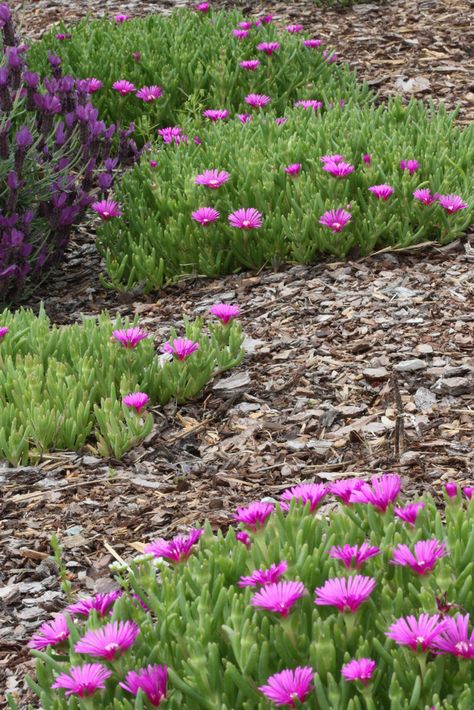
(367, 606)
(63, 387)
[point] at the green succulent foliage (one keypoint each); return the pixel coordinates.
(62, 386)
(157, 239)
(220, 649)
(195, 59)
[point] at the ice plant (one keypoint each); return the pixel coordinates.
(149, 93)
(202, 7)
(279, 597)
(50, 633)
(344, 488)
(308, 103)
(177, 549)
(257, 100)
(215, 114)
(243, 537)
(246, 219)
(280, 120)
(246, 25)
(82, 680)
(109, 640)
(93, 84)
(354, 555)
(100, 603)
(107, 209)
(312, 493)
(361, 669)
(423, 558)
(250, 64)
(454, 637)
(254, 515)
(424, 195)
(136, 401)
(417, 633)
(409, 513)
(225, 312)
(336, 220)
(346, 594)
(244, 117)
(123, 87)
(121, 18)
(181, 347)
(294, 29)
(383, 490)
(451, 489)
(3, 331)
(452, 203)
(411, 165)
(289, 686)
(335, 158)
(212, 178)
(468, 491)
(129, 337)
(312, 43)
(205, 215)
(268, 48)
(293, 169)
(151, 680)
(240, 34)
(382, 192)
(261, 577)
(367, 158)
(339, 170)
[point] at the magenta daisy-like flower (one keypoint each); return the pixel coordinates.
(149, 93)
(381, 493)
(268, 48)
(279, 597)
(51, 633)
(468, 492)
(336, 220)
(382, 192)
(240, 34)
(244, 117)
(82, 680)
(339, 170)
(3, 331)
(170, 134)
(181, 347)
(294, 29)
(423, 558)
(419, 634)
(280, 120)
(129, 337)
(452, 203)
(411, 165)
(177, 549)
(93, 84)
(312, 493)
(254, 515)
(361, 669)
(202, 7)
(123, 86)
(246, 219)
(120, 18)
(344, 488)
(246, 25)
(424, 195)
(257, 100)
(354, 555)
(250, 64)
(100, 603)
(293, 169)
(136, 401)
(151, 680)
(261, 577)
(312, 43)
(367, 158)
(409, 513)
(215, 114)
(212, 178)
(335, 158)
(205, 215)
(346, 594)
(243, 537)
(451, 490)
(108, 641)
(330, 56)
(106, 209)
(309, 103)
(289, 686)
(225, 312)
(454, 638)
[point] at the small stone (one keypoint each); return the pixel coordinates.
(410, 365)
(454, 385)
(424, 399)
(375, 373)
(424, 349)
(409, 458)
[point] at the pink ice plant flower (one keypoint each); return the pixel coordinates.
(205, 215)
(181, 347)
(308, 103)
(261, 577)
(338, 170)
(212, 178)
(452, 203)
(257, 100)
(336, 220)
(123, 86)
(121, 18)
(280, 120)
(151, 680)
(423, 558)
(149, 93)
(3, 331)
(243, 537)
(367, 158)
(361, 669)
(108, 641)
(136, 401)
(417, 633)
(246, 25)
(244, 117)
(335, 158)
(240, 34)
(225, 312)
(279, 597)
(344, 488)
(202, 7)
(293, 169)
(130, 337)
(170, 134)
(294, 29)
(246, 219)
(468, 492)
(312, 43)
(424, 195)
(254, 515)
(354, 555)
(268, 48)
(312, 493)
(451, 490)
(454, 638)
(250, 64)
(100, 603)
(346, 594)
(82, 680)
(330, 56)
(93, 84)
(409, 513)
(51, 633)
(106, 209)
(289, 686)
(383, 490)
(178, 549)
(382, 192)
(411, 165)
(215, 114)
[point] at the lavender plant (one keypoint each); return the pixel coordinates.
(53, 396)
(365, 607)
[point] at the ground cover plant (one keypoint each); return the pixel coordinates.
(324, 182)
(94, 382)
(365, 607)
